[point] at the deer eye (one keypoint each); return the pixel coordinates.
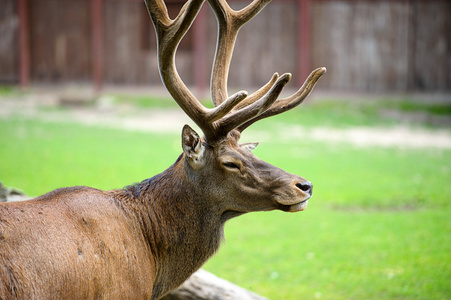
(231, 165)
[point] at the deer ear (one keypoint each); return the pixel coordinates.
(249, 146)
(192, 144)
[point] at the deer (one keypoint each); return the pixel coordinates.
(144, 240)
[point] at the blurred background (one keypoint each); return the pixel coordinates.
(367, 46)
(81, 103)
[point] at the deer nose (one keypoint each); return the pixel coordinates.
(306, 187)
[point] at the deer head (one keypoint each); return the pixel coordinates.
(216, 163)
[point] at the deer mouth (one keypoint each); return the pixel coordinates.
(294, 207)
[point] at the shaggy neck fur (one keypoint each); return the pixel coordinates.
(177, 225)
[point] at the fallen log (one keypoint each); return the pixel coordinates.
(203, 285)
(9, 194)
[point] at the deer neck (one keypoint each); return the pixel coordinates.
(181, 229)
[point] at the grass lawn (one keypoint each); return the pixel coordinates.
(377, 227)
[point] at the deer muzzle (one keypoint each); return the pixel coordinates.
(296, 199)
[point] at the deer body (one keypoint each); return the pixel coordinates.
(83, 243)
(142, 241)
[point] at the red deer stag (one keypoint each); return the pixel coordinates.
(144, 240)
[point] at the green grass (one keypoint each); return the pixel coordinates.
(432, 108)
(146, 101)
(6, 90)
(143, 101)
(39, 156)
(339, 254)
(377, 226)
(373, 177)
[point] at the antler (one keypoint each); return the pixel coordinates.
(237, 111)
(229, 23)
(291, 102)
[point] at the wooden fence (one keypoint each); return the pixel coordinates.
(383, 45)
(367, 46)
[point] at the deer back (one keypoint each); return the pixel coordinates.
(72, 243)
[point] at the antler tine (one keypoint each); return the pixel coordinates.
(229, 23)
(225, 107)
(169, 34)
(259, 93)
(288, 103)
(235, 119)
